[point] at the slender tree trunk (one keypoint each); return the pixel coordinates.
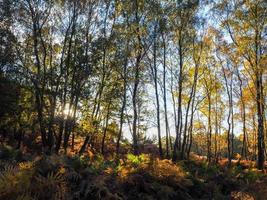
(260, 101)
(191, 128)
(216, 124)
(243, 110)
(38, 89)
(209, 130)
(155, 77)
(232, 116)
(105, 129)
(191, 97)
(136, 81)
(167, 129)
(228, 118)
(87, 138)
(174, 108)
(124, 99)
(179, 111)
(135, 116)
(94, 114)
(260, 113)
(40, 117)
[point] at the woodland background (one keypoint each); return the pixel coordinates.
(172, 92)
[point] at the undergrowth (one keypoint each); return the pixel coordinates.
(131, 177)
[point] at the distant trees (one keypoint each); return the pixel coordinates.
(246, 25)
(184, 20)
(85, 69)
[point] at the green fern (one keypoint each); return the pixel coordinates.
(72, 176)
(25, 197)
(54, 186)
(13, 181)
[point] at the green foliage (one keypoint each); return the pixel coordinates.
(99, 164)
(235, 170)
(53, 184)
(139, 176)
(244, 175)
(76, 162)
(208, 170)
(252, 176)
(47, 164)
(9, 92)
(14, 181)
(135, 160)
(28, 181)
(9, 153)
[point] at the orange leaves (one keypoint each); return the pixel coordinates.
(162, 170)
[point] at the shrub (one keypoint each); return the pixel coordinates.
(15, 181)
(76, 162)
(136, 160)
(251, 175)
(9, 153)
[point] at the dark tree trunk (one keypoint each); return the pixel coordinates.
(87, 138)
(124, 98)
(228, 118)
(167, 129)
(155, 77)
(105, 129)
(136, 80)
(179, 111)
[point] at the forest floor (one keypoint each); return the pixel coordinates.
(26, 176)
